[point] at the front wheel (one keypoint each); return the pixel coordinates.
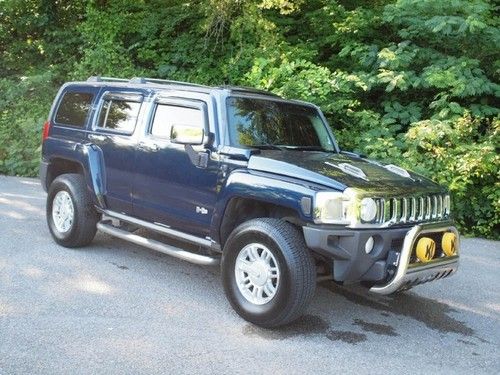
(268, 273)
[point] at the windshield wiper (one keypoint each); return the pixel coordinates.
(307, 148)
(268, 147)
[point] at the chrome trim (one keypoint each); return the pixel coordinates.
(398, 170)
(158, 246)
(160, 229)
(407, 274)
(428, 212)
(404, 213)
(413, 212)
(421, 203)
(404, 210)
(257, 274)
(387, 210)
(440, 206)
(380, 210)
(349, 169)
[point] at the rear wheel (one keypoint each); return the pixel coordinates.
(268, 273)
(71, 216)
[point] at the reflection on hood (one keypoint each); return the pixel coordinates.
(340, 171)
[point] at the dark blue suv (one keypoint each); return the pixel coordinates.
(243, 178)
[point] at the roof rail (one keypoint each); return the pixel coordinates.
(106, 79)
(249, 90)
(163, 81)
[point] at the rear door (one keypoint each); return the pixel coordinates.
(113, 132)
(169, 188)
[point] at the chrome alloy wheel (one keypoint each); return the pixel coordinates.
(257, 273)
(63, 211)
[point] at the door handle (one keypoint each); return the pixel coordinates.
(98, 137)
(153, 147)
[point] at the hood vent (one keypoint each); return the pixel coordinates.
(397, 170)
(349, 169)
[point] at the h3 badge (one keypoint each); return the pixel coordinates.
(201, 210)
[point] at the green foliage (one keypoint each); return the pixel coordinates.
(413, 82)
(23, 109)
(465, 150)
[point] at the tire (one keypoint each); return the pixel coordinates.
(81, 229)
(293, 284)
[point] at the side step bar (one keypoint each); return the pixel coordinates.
(161, 229)
(204, 260)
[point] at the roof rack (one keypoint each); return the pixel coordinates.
(142, 80)
(106, 79)
(251, 90)
(163, 81)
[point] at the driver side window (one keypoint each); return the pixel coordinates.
(167, 115)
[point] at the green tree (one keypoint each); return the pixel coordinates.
(413, 82)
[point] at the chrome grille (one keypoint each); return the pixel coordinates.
(412, 209)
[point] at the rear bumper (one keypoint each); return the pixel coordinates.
(44, 166)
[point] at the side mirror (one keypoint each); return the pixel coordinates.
(187, 135)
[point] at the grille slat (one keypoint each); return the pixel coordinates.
(428, 208)
(411, 209)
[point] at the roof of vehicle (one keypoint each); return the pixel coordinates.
(178, 85)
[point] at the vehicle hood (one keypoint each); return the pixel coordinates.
(329, 169)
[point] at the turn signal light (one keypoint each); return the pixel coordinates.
(45, 131)
(426, 248)
(449, 244)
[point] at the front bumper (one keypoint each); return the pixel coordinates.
(388, 266)
(408, 275)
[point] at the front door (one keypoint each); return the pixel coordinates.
(169, 189)
(113, 133)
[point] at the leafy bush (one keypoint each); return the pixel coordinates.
(413, 82)
(463, 155)
(24, 107)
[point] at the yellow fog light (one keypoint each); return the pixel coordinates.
(449, 244)
(426, 248)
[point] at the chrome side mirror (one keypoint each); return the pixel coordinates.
(187, 135)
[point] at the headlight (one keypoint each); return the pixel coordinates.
(368, 209)
(333, 208)
(346, 208)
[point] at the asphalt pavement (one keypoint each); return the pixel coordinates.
(117, 308)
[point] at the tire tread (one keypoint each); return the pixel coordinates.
(299, 260)
(86, 217)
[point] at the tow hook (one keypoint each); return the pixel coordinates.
(392, 263)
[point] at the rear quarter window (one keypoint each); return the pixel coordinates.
(74, 108)
(119, 115)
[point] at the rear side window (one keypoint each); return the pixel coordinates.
(168, 115)
(74, 108)
(119, 115)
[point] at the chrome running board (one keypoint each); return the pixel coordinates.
(162, 229)
(161, 247)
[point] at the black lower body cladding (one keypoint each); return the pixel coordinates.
(347, 249)
(44, 167)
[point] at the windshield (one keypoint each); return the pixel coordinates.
(266, 123)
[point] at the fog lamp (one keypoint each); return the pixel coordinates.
(449, 244)
(426, 248)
